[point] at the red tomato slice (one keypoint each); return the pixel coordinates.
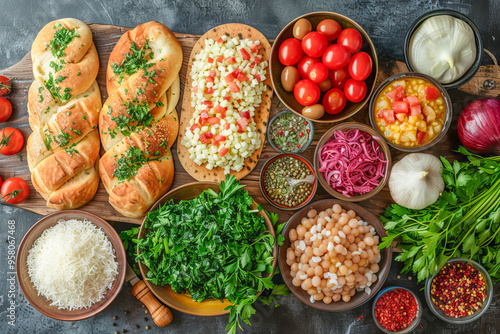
(351, 39)
(360, 66)
(354, 90)
(306, 92)
(290, 52)
(334, 101)
(336, 56)
(305, 64)
(401, 107)
(431, 93)
(314, 44)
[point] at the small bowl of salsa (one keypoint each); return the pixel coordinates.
(289, 132)
(412, 111)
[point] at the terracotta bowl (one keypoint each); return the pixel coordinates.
(183, 302)
(345, 127)
(360, 297)
(276, 67)
(41, 303)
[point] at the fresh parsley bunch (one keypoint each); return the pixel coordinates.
(464, 222)
(212, 246)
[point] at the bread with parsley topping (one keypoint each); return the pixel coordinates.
(138, 122)
(64, 102)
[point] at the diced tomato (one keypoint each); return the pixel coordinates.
(209, 134)
(208, 103)
(213, 120)
(209, 90)
(401, 107)
(231, 60)
(244, 54)
(236, 72)
(220, 40)
(397, 94)
(227, 126)
(229, 78)
(413, 101)
(212, 73)
(233, 87)
(195, 89)
(202, 121)
(421, 136)
(431, 93)
(218, 138)
(223, 151)
(257, 76)
(242, 77)
(255, 48)
(252, 65)
(242, 123)
(219, 59)
(219, 109)
(389, 116)
(257, 60)
(205, 137)
(245, 114)
(223, 115)
(416, 110)
(209, 79)
(193, 127)
(227, 98)
(238, 100)
(210, 60)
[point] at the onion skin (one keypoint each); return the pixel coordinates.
(479, 126)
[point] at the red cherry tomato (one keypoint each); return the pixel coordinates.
(290, 52)
(1, 182)
(11, 141)
(336, 56)
(318, 73)
(4, 85)
(355, 90)
(330, 28)
(14, 190)
(306, 92)
(339, 77)
(305, 64)
(334, 101)
(5, 109)
(360, 66)
(351, 39)
(314, 44)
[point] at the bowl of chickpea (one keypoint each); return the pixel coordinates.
(330, 258)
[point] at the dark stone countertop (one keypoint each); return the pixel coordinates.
(385, 21)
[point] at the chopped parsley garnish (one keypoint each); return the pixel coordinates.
(78, 74)
(40, 89)
(78, 132)
(54, 89)
(62, 38)
(70, 150)
(129, 164)
(139, 116)
(47, 110)
(159, 104)
(83, 116)
(48, 139)
(41, 98)
(63, 139)
(56, 66)
(134, 61)
(59, 79)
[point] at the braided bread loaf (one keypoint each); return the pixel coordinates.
(63, 106)
(138, 122)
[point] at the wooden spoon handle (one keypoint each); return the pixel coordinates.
(160, 313)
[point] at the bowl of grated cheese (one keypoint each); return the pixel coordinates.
(71, 265)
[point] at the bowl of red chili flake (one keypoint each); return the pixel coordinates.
(396, 310)
(460, 292)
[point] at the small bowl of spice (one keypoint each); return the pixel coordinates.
(396, 310)
(290, 133)
(288, 181)
(460, 292)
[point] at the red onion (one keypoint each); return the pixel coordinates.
(479, 126)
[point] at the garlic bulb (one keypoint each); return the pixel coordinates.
(443, 47)
(416, 181)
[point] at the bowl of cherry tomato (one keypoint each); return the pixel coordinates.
(323, 67)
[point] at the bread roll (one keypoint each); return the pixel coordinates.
(138, 123)
(63, 107)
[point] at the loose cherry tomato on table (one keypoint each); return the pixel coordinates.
(1, 182)
(355, 90)
(318, 73)
(314, 44)
(290, 52)
(5, 109)
(4, 85)
(336, 56)
(339, 77)
(351, 39)
(306, 92)
(11, 141)
(305, 64)
(330, 28)
(360, 66)
(334, 101)
(14, 190)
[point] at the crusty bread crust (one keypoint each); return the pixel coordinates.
(157, 89)
(63, 149)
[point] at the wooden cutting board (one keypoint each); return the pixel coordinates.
(105, 37)
(201, 173)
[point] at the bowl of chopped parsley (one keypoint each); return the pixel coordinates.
(290, 133)
(208, 249)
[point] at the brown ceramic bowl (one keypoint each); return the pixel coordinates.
(360, 297)
(344, 127)
(183, 302)
(276, 67)
(41, 303)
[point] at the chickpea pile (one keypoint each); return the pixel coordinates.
(333, 253)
